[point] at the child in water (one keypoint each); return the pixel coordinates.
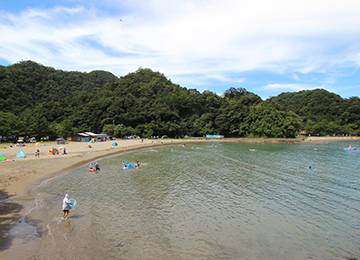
(66, 206)
(137, 163)
(97, 167)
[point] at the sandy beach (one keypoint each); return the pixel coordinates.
(20, 175)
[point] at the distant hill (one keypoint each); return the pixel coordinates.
(36, 100)
(26, 84)
(321, 106)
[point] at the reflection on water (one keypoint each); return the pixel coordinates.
(210, 201)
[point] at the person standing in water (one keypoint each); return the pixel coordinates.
(97, 167)
(66, 206)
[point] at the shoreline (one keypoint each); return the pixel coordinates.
(19, 177)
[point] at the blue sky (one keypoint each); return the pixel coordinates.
(267, 47)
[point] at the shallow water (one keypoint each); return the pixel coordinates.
(208, 201)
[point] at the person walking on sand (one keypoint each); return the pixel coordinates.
(66, 206)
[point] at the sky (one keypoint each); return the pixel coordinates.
(266, 47)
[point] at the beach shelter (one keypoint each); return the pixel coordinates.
(114, 144)
(60, 139)
(2, 158)
(38, 144)
(21, 154)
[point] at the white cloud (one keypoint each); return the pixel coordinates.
(296, 77)
(288, 87)
(209, 39)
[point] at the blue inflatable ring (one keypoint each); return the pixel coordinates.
(73, 203)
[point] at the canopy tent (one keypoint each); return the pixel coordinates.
(2, 158)
(114, 144)
(21, 154)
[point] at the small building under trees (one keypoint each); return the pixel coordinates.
(83, 137)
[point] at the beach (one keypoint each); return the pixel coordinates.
(20, 175)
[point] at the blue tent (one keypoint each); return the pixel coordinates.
(2, 158)
(114, 144)
(21, 154)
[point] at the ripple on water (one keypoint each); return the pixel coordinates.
(221, 202)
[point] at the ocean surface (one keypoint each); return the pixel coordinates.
(207, 201)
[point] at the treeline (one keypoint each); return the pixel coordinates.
(40, 101)
(323, 112)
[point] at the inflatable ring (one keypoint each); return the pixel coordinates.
(73, 203)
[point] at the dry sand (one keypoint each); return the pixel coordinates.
(19, 176)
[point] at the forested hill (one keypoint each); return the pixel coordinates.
(322, 111)
(27, 84)
(40, 101)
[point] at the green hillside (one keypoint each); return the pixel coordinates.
(40, 101)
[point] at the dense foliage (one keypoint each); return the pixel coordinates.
(323, 112)
(40, 101)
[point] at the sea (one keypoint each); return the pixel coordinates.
(208, 200)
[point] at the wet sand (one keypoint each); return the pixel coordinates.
(19, 176)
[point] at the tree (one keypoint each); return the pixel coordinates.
(9, 124)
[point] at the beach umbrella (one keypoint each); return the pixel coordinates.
(114, 144)
(38, 144)
(2, 158)
(60, 139)
(21, 154)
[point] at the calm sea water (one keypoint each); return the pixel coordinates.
(208, 201)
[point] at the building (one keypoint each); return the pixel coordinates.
(83, 137)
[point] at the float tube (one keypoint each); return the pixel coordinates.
(73, 203)
(92, 170)
(129, 166)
